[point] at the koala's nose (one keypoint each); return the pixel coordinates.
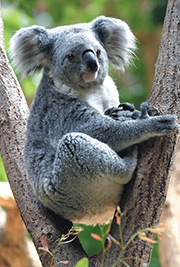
(90, 60)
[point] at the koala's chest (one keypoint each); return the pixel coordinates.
(98, 101)
(102, 97)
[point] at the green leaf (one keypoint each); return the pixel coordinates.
(90, 245)
(3, 176)
(82, 263)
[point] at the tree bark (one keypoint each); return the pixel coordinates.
(169, 246)
(143, 198)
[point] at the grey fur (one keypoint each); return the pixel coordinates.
(73, 150)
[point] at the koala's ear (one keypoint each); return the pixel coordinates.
(117, 39)
(29, 49)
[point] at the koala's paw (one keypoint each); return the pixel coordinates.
(134, 113)
(122, 113)
(165, 124)
(126, 106)
(112, 112)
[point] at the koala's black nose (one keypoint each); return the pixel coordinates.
(90, 60)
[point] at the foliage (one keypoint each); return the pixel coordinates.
(74, 231)
(142, 234)
(90, 245)
(49, 13)
(104, 234)
(82, 263)
(155, 257)
(3, 176)
(138, 13)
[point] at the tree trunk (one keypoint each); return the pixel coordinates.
(144, 197)
(148, 191)
(169, 246)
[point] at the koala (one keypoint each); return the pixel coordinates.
(77, 127)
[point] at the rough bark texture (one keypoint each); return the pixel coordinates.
(169, 247)
(145, 195)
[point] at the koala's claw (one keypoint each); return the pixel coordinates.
(126, 106)
(136, 115)
(111, 111)
(114, 111)
(127, 111)
(123, 112)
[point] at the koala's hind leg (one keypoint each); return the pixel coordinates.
(79, 157)
(87, 179)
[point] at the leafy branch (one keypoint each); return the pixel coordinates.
(142, 234)
(75, 230)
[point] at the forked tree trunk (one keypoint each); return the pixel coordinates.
(145, 195)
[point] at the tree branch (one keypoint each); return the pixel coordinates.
(13, 116)
(144, 196)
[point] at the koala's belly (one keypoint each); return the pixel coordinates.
(100, 206)
(89, 202)
(99, 218)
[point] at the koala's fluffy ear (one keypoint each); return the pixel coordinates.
(117, 39)
(29, 49)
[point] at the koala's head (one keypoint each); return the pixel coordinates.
(76, 55)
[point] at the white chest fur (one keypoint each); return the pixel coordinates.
(101, 98)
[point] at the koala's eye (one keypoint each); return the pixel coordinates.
(71, 56)
(98, 52)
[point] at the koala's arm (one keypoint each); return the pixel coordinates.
(120, 134)
(75, 115)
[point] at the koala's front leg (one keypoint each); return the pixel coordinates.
(135, 127)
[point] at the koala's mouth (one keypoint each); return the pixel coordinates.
(90, 76)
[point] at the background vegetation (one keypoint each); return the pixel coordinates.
(145, 18)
